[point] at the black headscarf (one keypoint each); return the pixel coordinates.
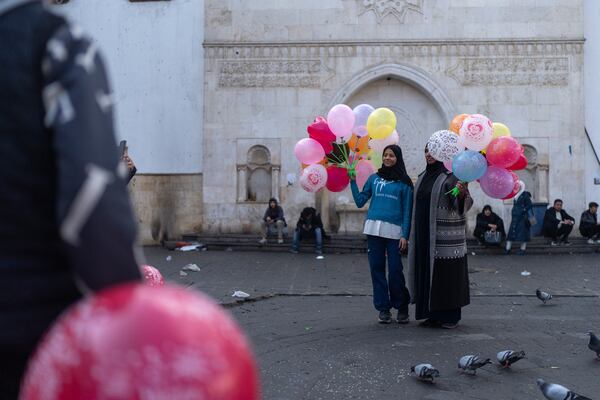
(396, 172)
(432, 171)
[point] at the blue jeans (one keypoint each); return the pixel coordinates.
(395, 294)
(298, 235)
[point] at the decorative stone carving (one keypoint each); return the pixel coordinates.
(398, 8)
(312, 51)
(270, 73)
(511, 71)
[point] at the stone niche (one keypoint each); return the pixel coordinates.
(258, 170)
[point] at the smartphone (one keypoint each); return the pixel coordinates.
(122, 147)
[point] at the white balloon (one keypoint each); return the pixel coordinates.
(313, 178)
(444, 145)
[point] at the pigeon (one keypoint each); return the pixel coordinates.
(543, 296)
(594, 344)
(552, 391)
(508, 357)
(425, 372)
(471, 363)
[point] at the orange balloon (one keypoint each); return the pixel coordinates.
(457, 122)
(359, 145)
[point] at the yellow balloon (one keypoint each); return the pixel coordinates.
(500, 130)
(381, 123)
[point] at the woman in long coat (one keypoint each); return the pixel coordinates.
(438, 277)
(520, 225)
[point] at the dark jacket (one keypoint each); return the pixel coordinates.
(551, 222)
(587, 222)
(275, 214)
(309, 221)
(520, 227)
(67, 223)
(483, 222)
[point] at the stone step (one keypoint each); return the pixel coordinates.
(358, 244)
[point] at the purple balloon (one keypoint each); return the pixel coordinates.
(497, 182)
(361, 113)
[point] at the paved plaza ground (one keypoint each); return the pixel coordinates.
(314, 331)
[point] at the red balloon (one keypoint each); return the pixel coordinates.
(319, 130)
(503, 151)
(516, 187)
(520, 164)
(337, 178)
(135, 342)
(152, 276)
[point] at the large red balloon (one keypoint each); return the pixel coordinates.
(152, 276)
(137, 342)
(319, 130)
(503, 151)
(520, 164)
(337, 178)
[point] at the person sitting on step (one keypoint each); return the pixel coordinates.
(273, 218)
(589, 226)
(558, 224)
(490, 227)
(309, 226)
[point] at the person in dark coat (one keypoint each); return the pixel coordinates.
(558, 224)
(309, 226)
(273, 217)
(488, 221)
(589, 226)
(67, 228)
(438, 278)
(520, 224)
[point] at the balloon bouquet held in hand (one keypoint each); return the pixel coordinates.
(387, 227)
(437, 277)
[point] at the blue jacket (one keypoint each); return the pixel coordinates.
(391, 201)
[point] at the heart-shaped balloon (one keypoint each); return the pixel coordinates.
(319, 130)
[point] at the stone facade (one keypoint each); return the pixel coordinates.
(272, 66)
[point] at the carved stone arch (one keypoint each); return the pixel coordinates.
(412, 75)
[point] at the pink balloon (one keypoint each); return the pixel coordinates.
(516, 187)
(152, 276)
(309, 151)
(476, 132)
(503, 151)
(341, 120)
(313, 178)
(497, 182)
(448, 165)
(364, 170)
(337, 178)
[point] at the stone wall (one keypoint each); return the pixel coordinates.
(270, 67)
(166, 205)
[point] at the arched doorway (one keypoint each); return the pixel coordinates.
(421, 108)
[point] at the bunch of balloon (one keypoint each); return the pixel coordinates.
(475, 148)
(347, 144)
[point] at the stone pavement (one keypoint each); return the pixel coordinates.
(314, 333)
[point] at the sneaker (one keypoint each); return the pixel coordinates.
(553, 243)
(280, 241)
(591, 241)
(402, 317)
(262, 241)
(293, 251)
(448, 325)
(385, 317)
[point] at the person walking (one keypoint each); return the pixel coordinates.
(438, 276)
(387, 227)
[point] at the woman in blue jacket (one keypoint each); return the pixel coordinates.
(387, 228)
